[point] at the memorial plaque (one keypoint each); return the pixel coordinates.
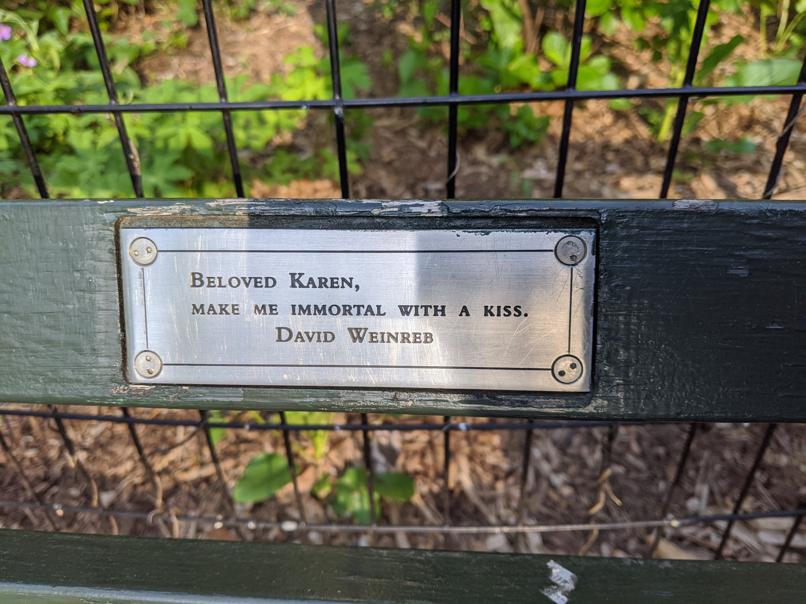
(464, 309)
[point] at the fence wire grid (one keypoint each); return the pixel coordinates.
(252, 523)
(664, 522)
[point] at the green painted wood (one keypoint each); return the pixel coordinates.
(700, 308)
(87, 568)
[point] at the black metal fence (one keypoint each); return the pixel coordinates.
(337, 105)
(663, 521)
(296, 526)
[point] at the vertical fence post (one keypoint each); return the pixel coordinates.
(221, 87)
(141, 453)
(22, 134)
(446, 470)
(682, 101)
(748, 482)
(678, 476)
(204, 424)
(26, 482)
(367, 450)
(338, 110)
(793, 530)
(782, 143)
(129, 152)
(453, 90)
(568, 110)
(292, 467)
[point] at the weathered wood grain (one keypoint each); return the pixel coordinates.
(87, 568)
(700, 308)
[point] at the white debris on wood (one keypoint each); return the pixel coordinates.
(564, 583)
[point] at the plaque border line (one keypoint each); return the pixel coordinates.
(570, 306)
(145, 303)
(347, 366)
(357, 366)
(528, 251)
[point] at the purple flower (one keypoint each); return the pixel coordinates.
(5, 32)
(26, 61)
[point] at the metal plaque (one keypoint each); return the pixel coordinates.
(464, 309)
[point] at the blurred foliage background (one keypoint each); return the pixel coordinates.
(506, 45)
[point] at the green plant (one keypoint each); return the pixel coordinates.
(318, 438)
(665, 28)
(502, 61)
(789, 30)
(52, 63)
(350, 493)
(671, 41)
(265, 474)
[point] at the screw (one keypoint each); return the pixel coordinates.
(143, 251)
(570, 250)
(148, 364)
(567, 369)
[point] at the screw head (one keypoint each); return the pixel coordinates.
(567, 369)
(570, 250)
(143, 251)
(147, 364)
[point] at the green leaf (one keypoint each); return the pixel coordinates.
(621, 104)
(634, 19)
(351, 496)
(319, 438)
(395, 485)
(265, 474)
(507, 23)
(766, 72)
(322, 487)
(525, 126)
(718, 53)
(525, 69)
(430, 10)
(732, 6)
(410, 61)
(743, 146)
(354, 77)
(585, 49)
(597, 8)
(693, 119)
(608, 23)
(554, 47)
(187, 13)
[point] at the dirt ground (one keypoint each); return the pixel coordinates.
(612, 155)
(569, 482)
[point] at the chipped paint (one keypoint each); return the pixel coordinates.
(178, 208)
(132, 389)
(422, 208)
(739, 271)
(564, 583)
(702, 205)
(226, 203)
